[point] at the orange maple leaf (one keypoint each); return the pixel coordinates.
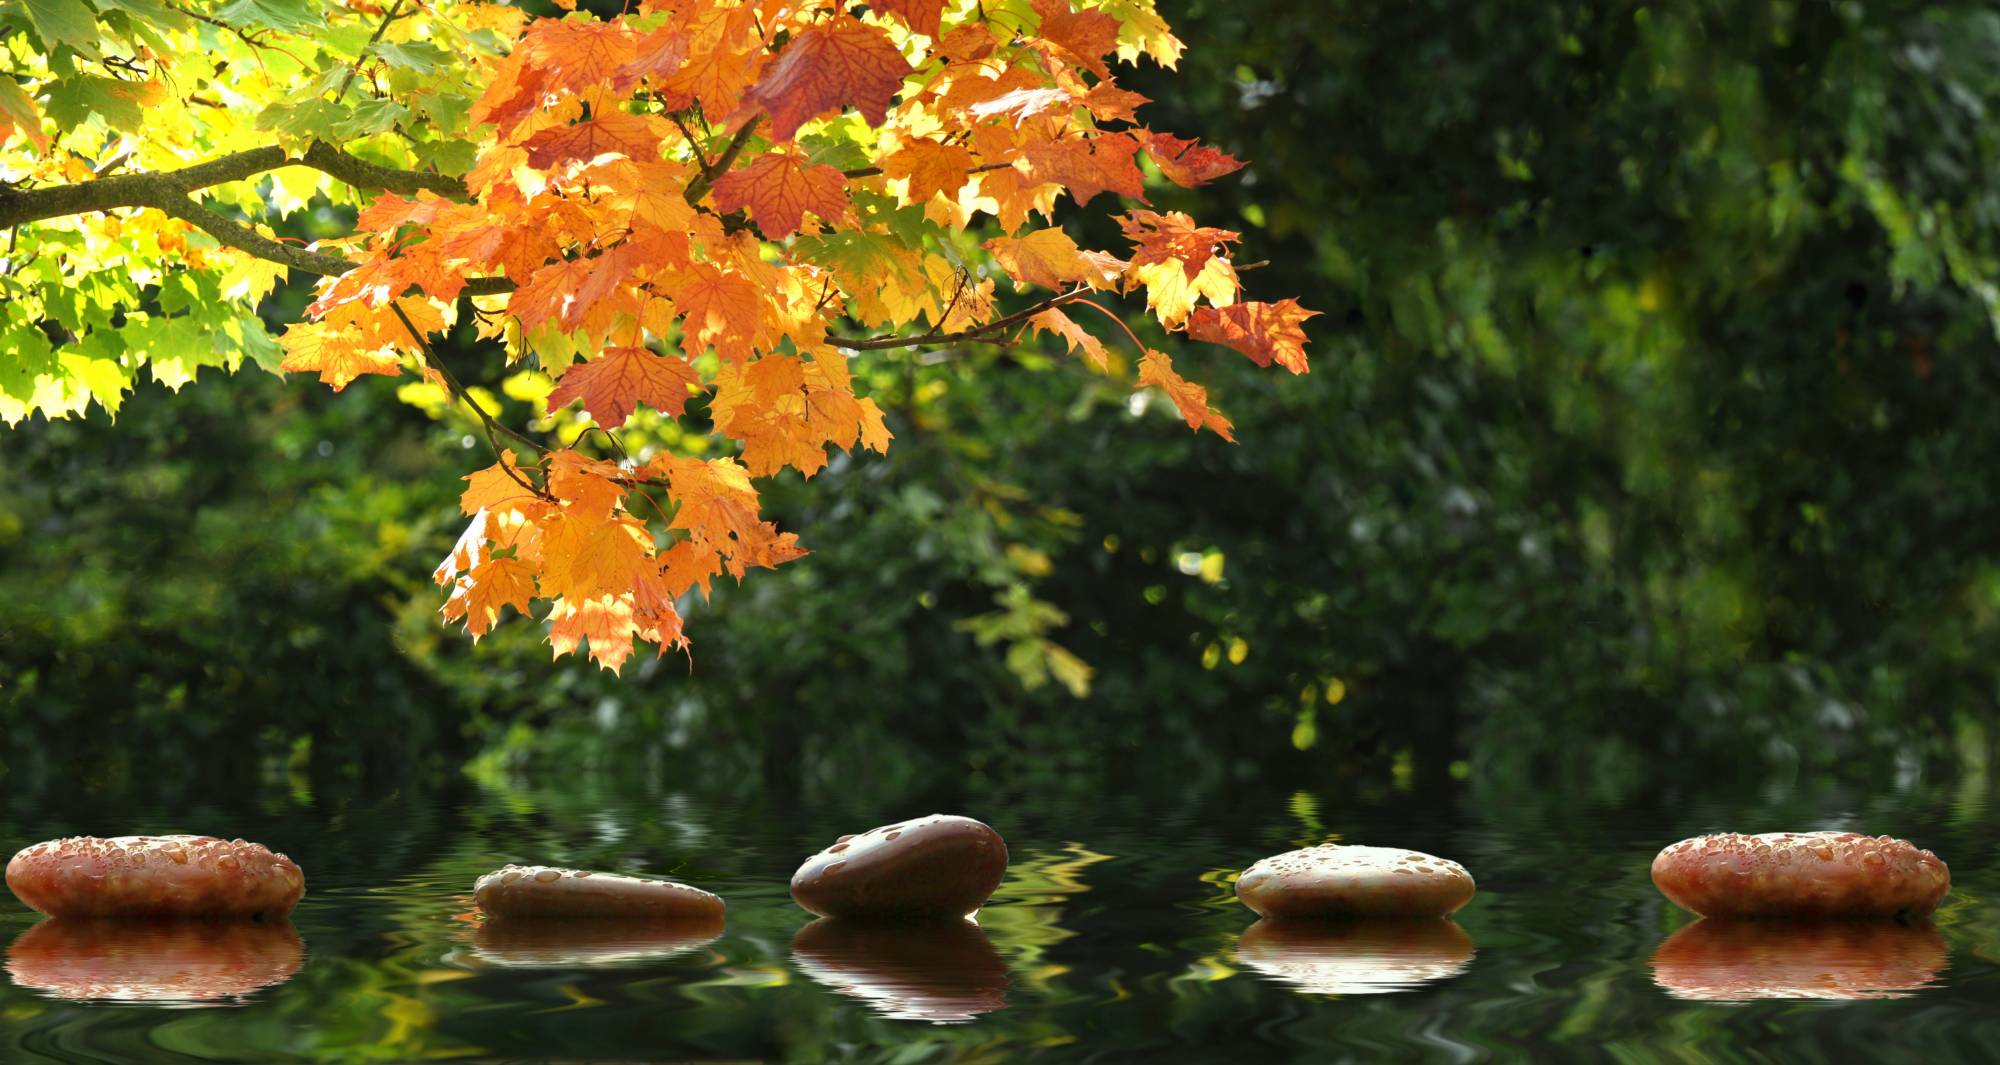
(1088, 166)
(635, 137)
(1045, 257)
(825, 68)
(778, 188)
(1174, 237)
(1157, 370)
(723, 309)
(1086, 36)
(1187, 163)
(1053, 320)
(498, 488)
(337, 356)
(478, 596)
(1267, 332)
(616, 382)
(604, 620)
(591, 489)
(930, 167)
(923, 16)
(583, 558)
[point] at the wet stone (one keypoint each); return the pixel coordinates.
(1334, 881)
(542, 891)
(940, 866)
(1801, 875)
(155, 877)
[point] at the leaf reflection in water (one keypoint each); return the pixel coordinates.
(1363, 957)
(943, 972)
(166, 963)
(1734, 961)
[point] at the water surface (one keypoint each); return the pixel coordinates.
(1114, 938)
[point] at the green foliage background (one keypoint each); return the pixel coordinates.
(1649, 419)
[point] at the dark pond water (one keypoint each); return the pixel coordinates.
(1114, 938)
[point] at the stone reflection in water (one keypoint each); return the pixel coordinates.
(185, 962)
(942, 972)
(1360, 957)
(563, 943)
(1743, 960)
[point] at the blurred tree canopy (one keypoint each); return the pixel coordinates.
(1649, 418)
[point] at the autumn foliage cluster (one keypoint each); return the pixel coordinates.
(724, 200)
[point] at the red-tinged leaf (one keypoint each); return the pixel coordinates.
(499, 488)
(1109, 103)
(1053, 320)
(390, 210)
(550, 292)
(968, 43)
(1174, 237)
(635, 137)
(1088, 166)
(577, 55)
(587, 488)
(930, 167)
(923, 16)
(1087, 36)
(723, 309)
(778, 188)
(1187, 163)
(1156, 370)
(478, 596)
(616, 382)
(1267, 332)
(658, 56)
(826, 68)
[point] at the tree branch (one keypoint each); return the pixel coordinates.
(976, 333)
(699, 186)
(21, 206)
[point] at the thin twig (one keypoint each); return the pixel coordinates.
(976, 333)
(388, 17)
(459, 392)
(699, 186)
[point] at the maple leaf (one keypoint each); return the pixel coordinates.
(590, 489)
(923, 16)
(778, 188)
(1053, 320)
(337, 356)
(1088, 166)
(1266, 332)
(1045, 257)
(930, 167)
(1174, 237)
(498, 488)
(550, 293)
(583, 558)
(1086, 36)
(825, 68)
(659, 55)
(575, 55)
(616, 382)
(1157, 370)
(478, 596)
(635, 137)
(1186, 163)
(604, 620)
(723, 309)
(1171, 293)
